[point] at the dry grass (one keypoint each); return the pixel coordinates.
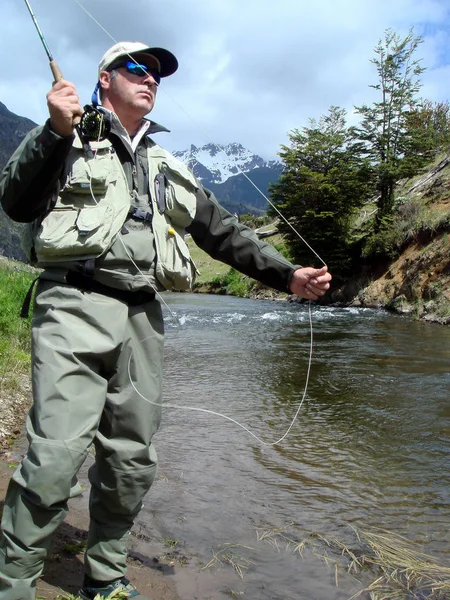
(228, 555)
(401, 571)
(404, 572)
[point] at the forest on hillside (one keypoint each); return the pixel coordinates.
(334, 173)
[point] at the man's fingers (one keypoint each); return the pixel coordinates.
(318, 289)
(317, 274)
(321, 271)
(325, 278)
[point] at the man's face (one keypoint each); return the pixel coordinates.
(127, 93)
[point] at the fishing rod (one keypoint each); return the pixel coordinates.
(92, 125)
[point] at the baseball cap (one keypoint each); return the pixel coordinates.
(168, 63)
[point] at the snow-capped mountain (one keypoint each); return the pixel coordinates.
(216, 164)
(221, 170)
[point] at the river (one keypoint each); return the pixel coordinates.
(370, 446)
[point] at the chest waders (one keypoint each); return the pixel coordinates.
(82, 341)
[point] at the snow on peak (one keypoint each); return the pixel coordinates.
(213, 163)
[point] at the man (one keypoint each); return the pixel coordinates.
(107, 229)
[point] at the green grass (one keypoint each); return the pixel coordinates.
(15, 281)
(208, 267)
(219, 277)
(74, 547)
(412, 217)
(233, 283)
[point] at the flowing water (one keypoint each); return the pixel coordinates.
(370, 446)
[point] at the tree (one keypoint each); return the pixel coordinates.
(385, 131)
(430, 123)
(323, 182)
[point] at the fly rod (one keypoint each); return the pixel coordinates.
(53, 66)
(91, 126)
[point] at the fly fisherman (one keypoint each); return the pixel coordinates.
(107, 229)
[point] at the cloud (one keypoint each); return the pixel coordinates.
(250, 70)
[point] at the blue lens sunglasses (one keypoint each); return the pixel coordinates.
(140, 70)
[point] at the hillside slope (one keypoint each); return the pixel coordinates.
(417, 280)
(12, 131)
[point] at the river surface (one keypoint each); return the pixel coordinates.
(370, 446)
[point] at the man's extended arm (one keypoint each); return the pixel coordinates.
(221, 235)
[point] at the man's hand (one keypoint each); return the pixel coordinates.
(64, 107)
(310, 283)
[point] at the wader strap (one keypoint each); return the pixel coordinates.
(25, 310)
(87, 284)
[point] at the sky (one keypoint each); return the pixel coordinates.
(250, 70)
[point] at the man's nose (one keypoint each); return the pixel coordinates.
(150, 79)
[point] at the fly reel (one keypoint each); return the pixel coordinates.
(94, 125)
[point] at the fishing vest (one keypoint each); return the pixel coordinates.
(94, 203)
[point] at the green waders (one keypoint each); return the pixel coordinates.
(88, 351)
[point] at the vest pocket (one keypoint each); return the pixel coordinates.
(180, 194)
(69, 233)
(91, 174)
(175, 268)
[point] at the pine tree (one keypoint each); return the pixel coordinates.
(430, 125)
(388, 139)
(323, 182)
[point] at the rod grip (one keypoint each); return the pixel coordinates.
(56, 71)
(58, 76)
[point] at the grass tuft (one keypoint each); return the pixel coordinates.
(228, 555)
(401, 571)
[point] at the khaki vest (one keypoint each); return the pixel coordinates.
(94, 204)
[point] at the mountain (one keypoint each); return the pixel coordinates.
(238, 195)
(224, 171)
(12, 131)
(215, 164)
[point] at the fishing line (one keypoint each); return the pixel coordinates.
(179, 322)
(174, 316)
(217, 414)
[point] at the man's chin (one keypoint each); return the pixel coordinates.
(144, 106)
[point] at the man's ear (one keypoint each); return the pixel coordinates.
(105, 80)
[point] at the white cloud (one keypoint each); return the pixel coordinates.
(250, 70)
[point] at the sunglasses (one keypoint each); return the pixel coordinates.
(140, 70)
